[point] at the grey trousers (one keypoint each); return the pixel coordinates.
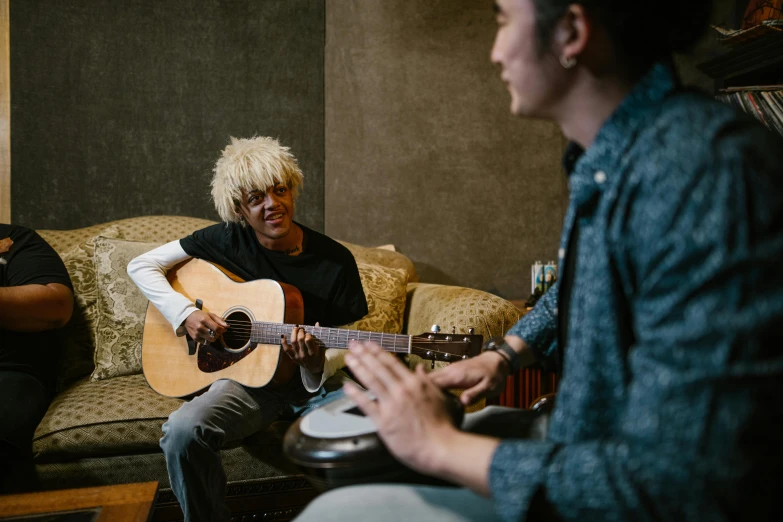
(417, 503)
(227, 412)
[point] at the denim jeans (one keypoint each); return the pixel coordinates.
(227, 412)
(23, 403)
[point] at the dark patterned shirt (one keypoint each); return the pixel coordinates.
(670, 405)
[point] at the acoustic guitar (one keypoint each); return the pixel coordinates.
(258, 313)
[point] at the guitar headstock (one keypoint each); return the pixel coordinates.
(448, 347)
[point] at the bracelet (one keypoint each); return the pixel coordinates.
(506, 352)
(506, 359)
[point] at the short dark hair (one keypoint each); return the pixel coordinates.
(643, 31)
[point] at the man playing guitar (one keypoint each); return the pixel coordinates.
(254, 188)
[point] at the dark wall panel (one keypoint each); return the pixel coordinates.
(421, 150)
(120, 108)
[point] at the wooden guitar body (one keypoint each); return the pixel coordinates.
(169, 367)
(258, 313)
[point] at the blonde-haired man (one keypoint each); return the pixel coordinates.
(254, 187)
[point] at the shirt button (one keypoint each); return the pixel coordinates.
(600, 177)
(561, 254)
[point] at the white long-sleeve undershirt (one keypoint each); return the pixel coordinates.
(149, 270)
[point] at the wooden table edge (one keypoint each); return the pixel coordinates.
(142, 495)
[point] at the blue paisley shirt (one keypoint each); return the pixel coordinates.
(670, 405)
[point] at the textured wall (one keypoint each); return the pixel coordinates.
(422, 152)
(121, 108)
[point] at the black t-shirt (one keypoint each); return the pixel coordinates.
(31, 261)
(325, 272)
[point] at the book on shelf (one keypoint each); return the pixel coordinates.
(764, 102)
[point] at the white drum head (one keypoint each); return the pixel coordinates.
(338, 419)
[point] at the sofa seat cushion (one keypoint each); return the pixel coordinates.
(110, 417)
(118, 416)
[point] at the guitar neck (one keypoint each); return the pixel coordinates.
(269, 333)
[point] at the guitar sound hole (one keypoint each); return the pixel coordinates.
(238, 333)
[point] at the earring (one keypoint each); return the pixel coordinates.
(568, 63)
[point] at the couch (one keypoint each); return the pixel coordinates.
(105, 430)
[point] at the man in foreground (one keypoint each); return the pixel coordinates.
(663, 323)
(254, 188)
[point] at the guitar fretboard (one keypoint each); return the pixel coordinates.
(269, 333)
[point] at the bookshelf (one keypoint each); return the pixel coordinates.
(749, 74)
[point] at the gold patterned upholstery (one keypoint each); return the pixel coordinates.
(97, 418)
(144, 228)
(383, 257)
(447, 306)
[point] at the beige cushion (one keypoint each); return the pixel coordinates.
(107, 417)
(123, 416)
(459, 308)
(121, 308)
(78, 336)
(382, 256)
(384, 288)
(142, 228)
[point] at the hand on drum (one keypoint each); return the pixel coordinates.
(410, 411)
(481, 376)
(305, 350)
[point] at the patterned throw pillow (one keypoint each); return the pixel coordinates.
(121, 309)
(385, 290)
(385, 255)
(78, 336)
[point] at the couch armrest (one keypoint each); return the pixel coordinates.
(428, 304)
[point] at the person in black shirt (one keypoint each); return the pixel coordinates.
(254, 188)
(36, 298)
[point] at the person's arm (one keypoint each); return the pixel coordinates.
(38, 295)
(149, 270)
(534, 336)
(350, 304)
(334, 360)
(485, 375)
(34, 308)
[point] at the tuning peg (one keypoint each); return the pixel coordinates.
(471, 331)
(453, 329)
(435, 328)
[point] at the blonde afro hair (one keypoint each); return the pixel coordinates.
(257, 163)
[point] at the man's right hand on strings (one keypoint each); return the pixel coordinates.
(205, 327)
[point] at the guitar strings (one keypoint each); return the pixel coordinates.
(243, 326)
